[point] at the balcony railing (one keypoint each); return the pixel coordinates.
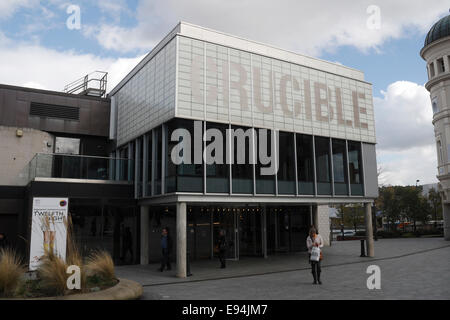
(50, 165)
(92, 84)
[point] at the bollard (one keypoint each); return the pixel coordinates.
(363, 249)
(188, 265)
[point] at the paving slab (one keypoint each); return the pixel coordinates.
(339, 253)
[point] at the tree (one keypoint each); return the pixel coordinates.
(414, 206)
(436, 204)
(352, 214)
(389, 203)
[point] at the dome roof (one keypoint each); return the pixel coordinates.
(440, 29)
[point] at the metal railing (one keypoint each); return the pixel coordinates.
(51, 165)
(92, 84)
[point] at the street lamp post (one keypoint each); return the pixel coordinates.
(417, 181)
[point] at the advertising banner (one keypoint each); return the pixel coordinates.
(48, 229)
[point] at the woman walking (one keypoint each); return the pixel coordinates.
(314, 240)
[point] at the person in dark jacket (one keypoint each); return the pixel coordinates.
(222, 248)
(127, 244)
(166, 249)
(3, 241)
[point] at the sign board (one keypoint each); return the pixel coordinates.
(48, 229)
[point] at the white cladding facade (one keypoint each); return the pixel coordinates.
(148, 98)
(197, 73)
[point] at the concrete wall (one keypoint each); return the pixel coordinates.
(370, 170)
(17, 152)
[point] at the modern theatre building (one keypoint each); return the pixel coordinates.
(290, 135)
(215, 84)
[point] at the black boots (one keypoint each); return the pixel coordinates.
(316, 278)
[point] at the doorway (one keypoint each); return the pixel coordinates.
(287, 229)
(226, 219)
(250, 232)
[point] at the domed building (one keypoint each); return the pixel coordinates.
(436, 52)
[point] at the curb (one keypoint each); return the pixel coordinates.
(124, 290)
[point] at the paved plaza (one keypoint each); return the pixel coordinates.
(410, 269)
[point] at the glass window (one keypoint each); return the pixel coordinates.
(441, 66)
(305, 165)
(250, 233)
(286, 158)
(340, 167)
(67, 145)
(158, 141)
(139, 163)
(265, 184)
(355, 168)
(113, 228)
(149, 163)
(199, 232)
(323, 167)
(434, 104)
(242, 174)
(431, 68)
(217, 174)
(123, 165)
(130, 156)
(184, 177)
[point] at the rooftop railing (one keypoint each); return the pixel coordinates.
(92, 84)
(50, 165)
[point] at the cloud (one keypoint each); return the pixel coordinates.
(304, 26)
(406, 147)
(121, 39)
(403, 117)
(32, 65)
(9, 7)
(407, 166)
(114, 9)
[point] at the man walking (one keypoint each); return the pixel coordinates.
(222, 247)
(166, 248)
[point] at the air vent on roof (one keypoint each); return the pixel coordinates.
(54, 111)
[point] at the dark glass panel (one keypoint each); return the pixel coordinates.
(242, 174)
(340, 167)
(286, 158)
(305, 164)
(185, 177)
(217, 175)
(355, 168)
(265, 184)
(323, 167)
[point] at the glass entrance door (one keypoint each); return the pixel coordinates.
(287, 229)
(283, 228)
(250, 232)
(226, 220)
